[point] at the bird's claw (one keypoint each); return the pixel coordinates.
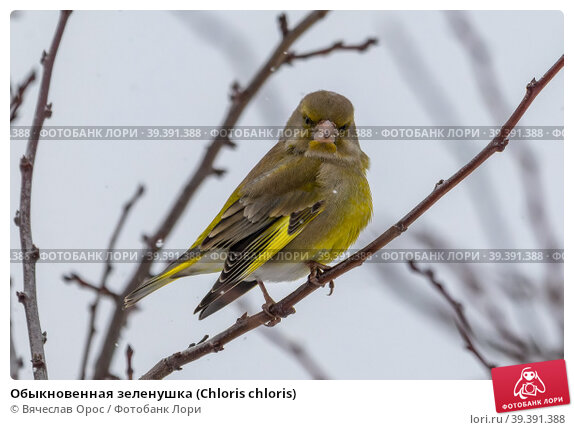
(275, 319)
(331, 287)
(317, 270)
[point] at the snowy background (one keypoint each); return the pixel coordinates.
(176, 68)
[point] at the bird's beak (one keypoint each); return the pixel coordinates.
(324, 136)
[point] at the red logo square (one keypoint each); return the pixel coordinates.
(532, 385)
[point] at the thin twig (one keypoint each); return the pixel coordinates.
(501, 324)
(23, 217)
(284, 307)
(433, 97)
(102, 289)
(337, 46)
(442, 187)
(470, 346)
(491, 91)
(99, 290)
(461, 321)
(475, 285)
(127, 207)
(471, 280)
(16, 362)
(17, 98)
(531, 179)
(283, 25)
(454, 304)
(241, 98)
(129, 357)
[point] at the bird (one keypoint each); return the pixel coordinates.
(302, 205)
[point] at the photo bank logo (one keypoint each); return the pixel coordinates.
(531, 385)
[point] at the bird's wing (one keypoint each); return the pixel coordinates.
(268, 210)
(273, 209)
(250, 253)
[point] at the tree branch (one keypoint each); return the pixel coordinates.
(240, 100)
(454, 304)
(283, 25)
(15, 360)
(471, 347)
(482, 65)
(490, 89)
(23, 217)
(284, 307)
(100, 290)
(337, 46)
(429, 90)
(129, 357)
(17, 98)
(103, 290)
(461, 321)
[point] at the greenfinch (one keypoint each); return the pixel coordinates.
(300, 207)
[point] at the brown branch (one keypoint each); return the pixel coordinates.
(500, 337)
(432, 95)
(476, 49)
(461, 321)
(16, 362)
(501, 325)
(482, 64)
(100, 290)
(470, 346)
(454, 304)
(474, 284)
(17, 98)
(23, 217)
(117, 230)
(129, 356)
(205, 169)
(490, 89)
(337, 46)
(283, 25)
(471, 280)
(444, 186)
(103, 290)
(284, 307)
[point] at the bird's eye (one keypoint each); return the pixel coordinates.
(307, 120)
(344, 127)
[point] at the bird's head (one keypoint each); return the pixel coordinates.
(323, 126)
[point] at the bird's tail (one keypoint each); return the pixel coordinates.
(170, 274)
(146, 288)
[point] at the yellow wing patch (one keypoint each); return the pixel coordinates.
(253, 252)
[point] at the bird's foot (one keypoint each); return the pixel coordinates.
(275, 319)
(317, 269)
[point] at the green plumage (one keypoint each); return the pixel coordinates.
(307, 198)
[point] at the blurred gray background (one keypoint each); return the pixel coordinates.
(383, 321)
